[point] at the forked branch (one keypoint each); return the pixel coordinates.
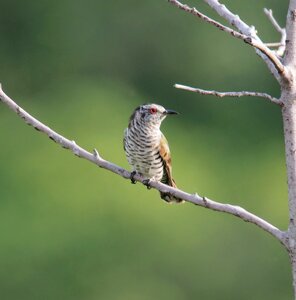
(232, 19)
(282, 44)
(99, 161)
(246, 33)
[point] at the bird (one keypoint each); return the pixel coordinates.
(146, 148)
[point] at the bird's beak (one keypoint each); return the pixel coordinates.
(170, 112)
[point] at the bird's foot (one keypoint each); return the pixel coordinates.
(133, 181)
(147, 182)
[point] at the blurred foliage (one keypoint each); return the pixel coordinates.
(73, 231)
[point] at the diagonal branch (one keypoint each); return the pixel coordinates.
(99, 161)
(229, 94)
(246, 33)
(232, 19)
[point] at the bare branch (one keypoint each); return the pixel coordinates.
(249, 39)
(273, 21)
(274, 45)
(209, 20)
(229, 94)
(282, 31)
(96, 159)
(244, 28)
(232, 19)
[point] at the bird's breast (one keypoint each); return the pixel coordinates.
(142, 151)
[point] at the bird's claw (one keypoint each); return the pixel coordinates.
(147, 183)
(133, 181)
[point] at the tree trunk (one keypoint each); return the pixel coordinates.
(289, 120)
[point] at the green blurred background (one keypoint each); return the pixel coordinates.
(70, 230)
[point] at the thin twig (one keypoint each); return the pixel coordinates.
(99, 161)
(282, 31)
(273, 21)
(246, 38)
(96, 154)
(274, 45)
(228, 94)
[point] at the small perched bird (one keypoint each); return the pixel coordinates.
(147, 149)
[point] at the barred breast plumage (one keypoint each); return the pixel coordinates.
(146, 148)
(142, 150)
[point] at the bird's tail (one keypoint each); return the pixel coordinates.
(169, 198)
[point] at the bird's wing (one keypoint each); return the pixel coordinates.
(124, 139)
(165, 154)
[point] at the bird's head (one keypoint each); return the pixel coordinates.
(151, 114)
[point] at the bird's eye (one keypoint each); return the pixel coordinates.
(153, 110)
